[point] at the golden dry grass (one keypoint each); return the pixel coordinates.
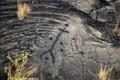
(23, 10)
(104, 73)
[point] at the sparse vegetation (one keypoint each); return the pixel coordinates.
(18, 70)
(23, 10)
(104, 73)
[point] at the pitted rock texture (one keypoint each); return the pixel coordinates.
(65, 40)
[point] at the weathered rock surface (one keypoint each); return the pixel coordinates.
(105, 14)
(65, 38)
(85, 6)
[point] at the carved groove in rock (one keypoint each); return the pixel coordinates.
(64, 39)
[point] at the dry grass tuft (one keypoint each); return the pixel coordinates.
(104, 73)
(23, 10)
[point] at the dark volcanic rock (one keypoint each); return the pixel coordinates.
(65, 38)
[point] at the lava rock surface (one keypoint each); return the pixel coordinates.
(65, 38)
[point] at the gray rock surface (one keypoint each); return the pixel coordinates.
(105, 14)
(84, 5)
(65, 38)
